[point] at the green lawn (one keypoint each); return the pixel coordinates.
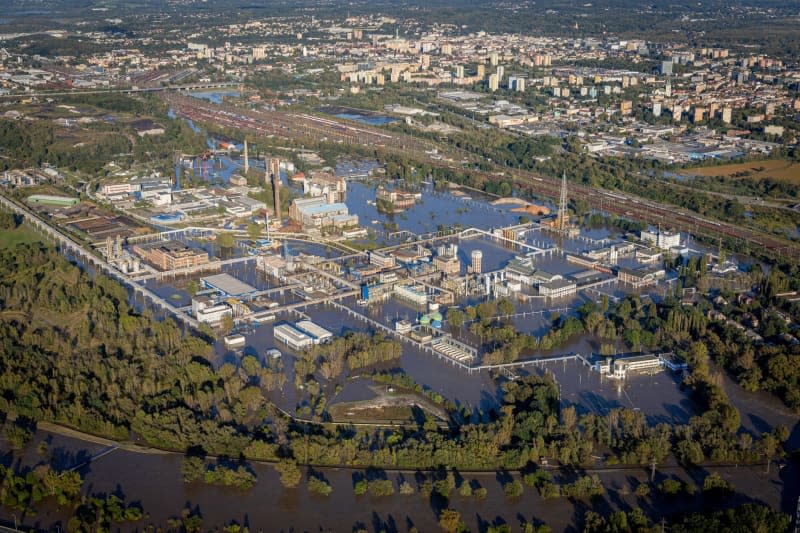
(11, 238)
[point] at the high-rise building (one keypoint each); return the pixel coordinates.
(656, 109)
(494, 59)
(501, 71)
(460, 71)
(494, 82)
(516, 84)
(666, 67)
(481, 71)
(726, 115)
(476, 257)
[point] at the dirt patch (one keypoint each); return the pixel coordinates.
(387, 406)
(775, 169)
(535, 210)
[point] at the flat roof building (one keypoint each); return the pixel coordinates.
(316, 213)
(228, 285)
(48, 199)
(557, 288)
(317, 333)
(292, 337)
(171, 255)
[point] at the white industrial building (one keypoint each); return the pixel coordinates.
(206, 311)
(317, 333)
(292, 337)
(664, 240)
(412, 293)
(557, 288)
(620, 367)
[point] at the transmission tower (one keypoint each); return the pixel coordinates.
(562, 205)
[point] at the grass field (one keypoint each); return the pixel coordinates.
(10, 238)
(361, 412)
(778, 169)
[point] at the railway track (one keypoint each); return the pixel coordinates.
(298, 126)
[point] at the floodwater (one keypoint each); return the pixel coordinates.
(434, 209)
(363, 116)
(216, 97)
(154, 481)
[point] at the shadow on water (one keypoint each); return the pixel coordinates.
(759, 424)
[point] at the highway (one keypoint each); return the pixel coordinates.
(301, 126)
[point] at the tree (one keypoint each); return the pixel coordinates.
(360, 487)
(290, 474)
(513, 489)
(455, 318)
(225, 240)
(714, 484)
(505, 307)
(319, 485)
(450, 521)
(670, 487)
(226, 324)
(253, 231)
(445, 486)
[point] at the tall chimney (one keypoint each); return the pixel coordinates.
(246, 162)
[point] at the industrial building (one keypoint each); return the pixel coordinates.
(450, 265)
(640, 277)
(413, 293)
(557, 288)
(317, 333)
(205, 310)
(333, 188)
(397, 199)
(228, 285)
(381, 260)
(292, 337)
(48, 199)
(317, 213)
(171, 255)
(620, 367)
(661, 239)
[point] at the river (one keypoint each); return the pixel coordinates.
(154, 481)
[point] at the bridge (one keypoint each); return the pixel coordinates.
(296, 306)
(128, 90)
(533, 251)
(93, 458)
(69, 246)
